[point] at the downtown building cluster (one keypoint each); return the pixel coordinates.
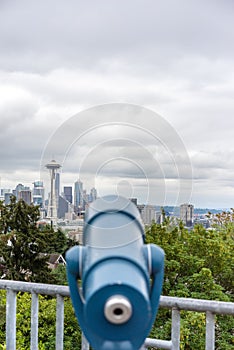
(71, 202)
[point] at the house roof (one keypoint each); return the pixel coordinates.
(55, 258)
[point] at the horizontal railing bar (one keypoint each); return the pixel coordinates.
(210, 307)
(199, 305)
(189, 304)
(38, 288)
(157, 343)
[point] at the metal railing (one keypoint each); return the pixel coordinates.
(210, 308)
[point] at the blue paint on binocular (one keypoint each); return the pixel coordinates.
(121, 276)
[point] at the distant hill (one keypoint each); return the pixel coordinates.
(176, 210)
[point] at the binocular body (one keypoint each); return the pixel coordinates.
(121, 276)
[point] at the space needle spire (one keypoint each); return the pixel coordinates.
(53, 167)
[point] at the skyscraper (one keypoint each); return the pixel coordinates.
(186, 214)
(18, 189)
(78, 196)
(93, 194)
(148, 214)
(38, 193)
(26, 196)
(67, 190)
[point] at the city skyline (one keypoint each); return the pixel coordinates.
(176, 63)
(70, 195)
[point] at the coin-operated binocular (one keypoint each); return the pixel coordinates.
(121, 277)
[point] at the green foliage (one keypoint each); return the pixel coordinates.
(57, 242)
(59, 275)
(2, 317)
(24, 247)
(198, 264)
(21, 243)
(47, 323)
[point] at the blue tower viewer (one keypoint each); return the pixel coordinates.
(121, 276)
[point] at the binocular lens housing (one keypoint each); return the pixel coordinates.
(118, 309)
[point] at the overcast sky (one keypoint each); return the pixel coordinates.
(175, 58)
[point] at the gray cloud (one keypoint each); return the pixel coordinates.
(52, 33)
(58, 58)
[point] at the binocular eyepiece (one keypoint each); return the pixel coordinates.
(121, 276)
(118, 309)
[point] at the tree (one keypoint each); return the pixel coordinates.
(57, 242)
(46, 320)
(21, 243)
(198, 264)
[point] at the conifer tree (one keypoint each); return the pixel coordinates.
(22, 243)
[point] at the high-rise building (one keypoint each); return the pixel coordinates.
(63, 207)
(148, 214)
(3, 191)
(67, 191)
(78, 196)
(7, 197)
(187, 213)
(26, 196)
(18, 189)
(38, 193)
(93, 194)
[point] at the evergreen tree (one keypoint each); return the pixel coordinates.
(21, 243)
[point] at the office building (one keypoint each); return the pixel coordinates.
(18, 189)
(79, 196)
(148, 214)
(7, 197)
(187, 214)
(63, 207)
(67, 193)
(93, 195)
(26, 196)
(38, 193)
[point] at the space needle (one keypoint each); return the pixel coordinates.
(53, 167)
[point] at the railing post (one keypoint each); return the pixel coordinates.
(175, 329)
(84, 343)
(11, 320)
(34, 322)
(210, 331)
(59, 322)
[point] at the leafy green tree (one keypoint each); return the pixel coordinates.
(47, 323)
(198, 264)
(59, 275)
(2, 316)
